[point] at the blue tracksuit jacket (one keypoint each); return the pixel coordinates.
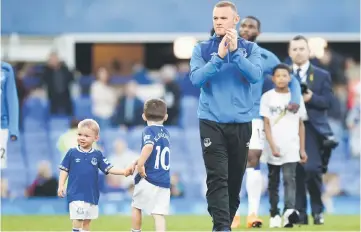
(226, 95)
(9, 100)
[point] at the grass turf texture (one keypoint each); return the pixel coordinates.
(174, 223)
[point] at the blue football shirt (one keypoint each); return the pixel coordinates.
(158, 164)
(83, 174)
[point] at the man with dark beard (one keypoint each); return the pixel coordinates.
(250, 30)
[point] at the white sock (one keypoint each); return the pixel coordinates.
(254, 190)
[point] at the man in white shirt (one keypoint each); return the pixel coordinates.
(285, 134)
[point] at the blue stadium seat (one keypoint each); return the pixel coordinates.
(189, 106)
(36, 147)
(85, 83)
(60, 123)
(31, 82)
(82, 108)
(36, 108)
(134, 138)
(177, 138)
(17, 180)
(31, 124)
(193, 146)
(108, 137)
(15, 157)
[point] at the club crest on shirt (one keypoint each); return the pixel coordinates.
(243, 51)
(80, 210)
(94, 161)
(207, 142)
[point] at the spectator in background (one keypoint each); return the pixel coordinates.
(185, 84)
(176, 186)
(22, 91)
(172, 94)
(121, 157)
(104, 98)
(58, 78)
(20, 74)
(129, 109)
(116, 68)
(335, 64)
(353, 123)
(332, 188)
(140, 74)
(45, 184)
(4, 189)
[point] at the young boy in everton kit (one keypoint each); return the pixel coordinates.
(81, 166)
(152, 183)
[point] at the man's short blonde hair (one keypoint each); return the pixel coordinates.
(227, 4)
(91, 124)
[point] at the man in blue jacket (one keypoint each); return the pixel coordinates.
(9, 110)
(250, 28)
(224, 67)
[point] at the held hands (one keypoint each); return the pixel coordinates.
(229, 41)
(127, 172)
(61, 191)
(304, 157)
(141, 171)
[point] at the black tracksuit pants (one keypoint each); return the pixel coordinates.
(225, 152)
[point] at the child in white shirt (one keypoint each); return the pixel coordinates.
(285, 134)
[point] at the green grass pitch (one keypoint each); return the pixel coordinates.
(174, 223)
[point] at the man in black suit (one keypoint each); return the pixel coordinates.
(128, 112)
(317, 94)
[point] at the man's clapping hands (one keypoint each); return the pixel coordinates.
(229, 41)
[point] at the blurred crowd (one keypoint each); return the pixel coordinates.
(117, 101)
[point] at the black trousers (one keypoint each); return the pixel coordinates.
(225, 153)
(309, 175)
(289, 183)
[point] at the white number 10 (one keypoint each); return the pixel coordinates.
(161, 155)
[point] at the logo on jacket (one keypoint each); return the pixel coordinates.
(243, 51)
(207, 142)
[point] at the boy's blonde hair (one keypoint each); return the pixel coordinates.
(91, 124)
